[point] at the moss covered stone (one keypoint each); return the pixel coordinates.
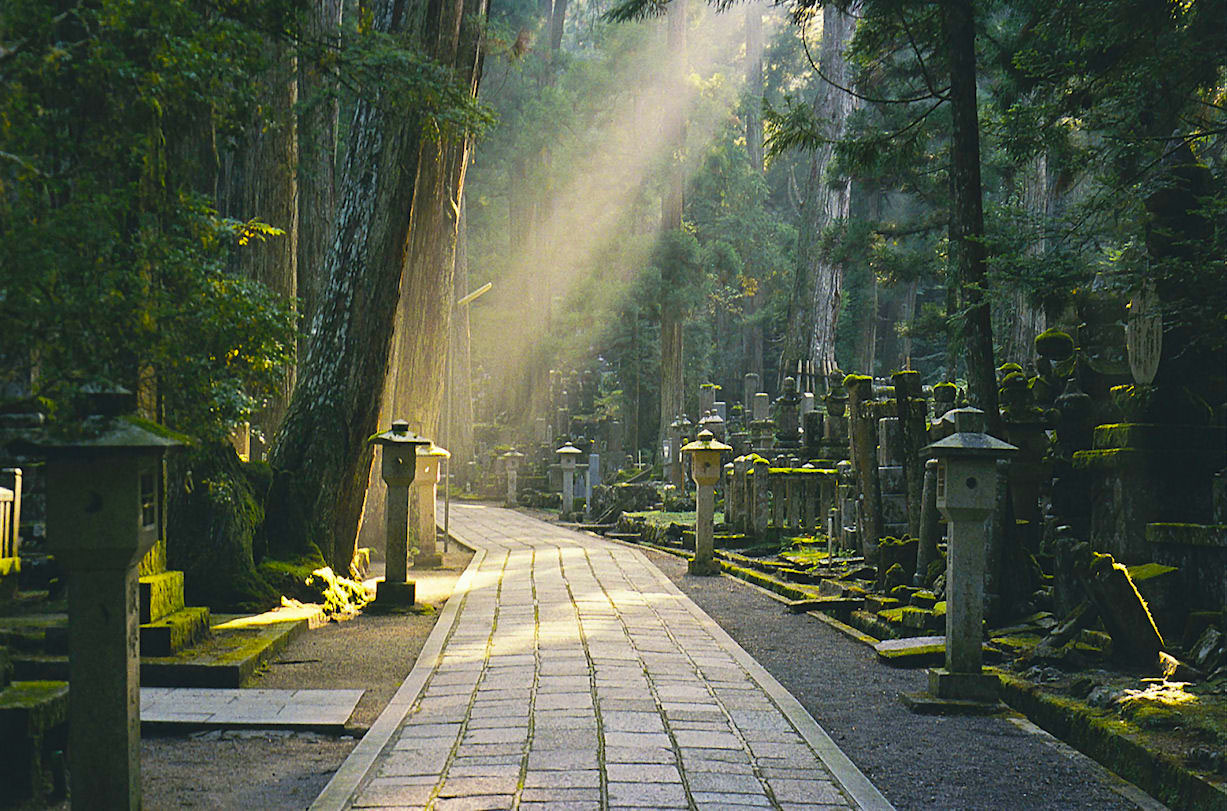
(1054, 345)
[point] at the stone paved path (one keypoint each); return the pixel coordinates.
(568, 672)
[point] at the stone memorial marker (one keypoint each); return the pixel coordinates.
(1144, 335)
(966, 494)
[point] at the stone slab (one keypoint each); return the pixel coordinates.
(210, 708)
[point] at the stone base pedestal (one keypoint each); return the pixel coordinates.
(393, 593)
(704, 568)
(955, 694)
(966, 686)
(428, 561)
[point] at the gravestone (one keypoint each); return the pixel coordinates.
(750, 386)
(788, 416)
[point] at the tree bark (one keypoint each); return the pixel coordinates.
(818, 293)
(415, 381)
(754, 85)
(967, 212)
(672, 391)
(317, 144)
(322, 459)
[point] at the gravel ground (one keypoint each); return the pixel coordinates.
(916, 761)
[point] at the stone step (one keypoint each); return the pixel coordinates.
(878, 602)
(161, 595)
(228, 658)
(175, 631)
(34, 727)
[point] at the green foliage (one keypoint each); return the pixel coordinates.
(115, 266)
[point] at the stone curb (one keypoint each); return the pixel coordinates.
(1158, 774)
(345, 783)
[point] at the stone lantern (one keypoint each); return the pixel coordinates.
(705, 469)
(425, 485)
(105, 496)
(568, 454)
(511, 464)
(398, 469)
(966, 494)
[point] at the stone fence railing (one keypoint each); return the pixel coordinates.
(759, 497)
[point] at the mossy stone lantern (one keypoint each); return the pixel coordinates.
(398, 467)
(430, 458)
(511, 466)
(705, 468)
(966, 495)
(568, 455)
(105, 496)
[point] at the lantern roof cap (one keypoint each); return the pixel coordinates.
(102, 434)
(431, 449)
(512, 453)
(969, 438)
(568, 450)
(399, 434)
(706, 441)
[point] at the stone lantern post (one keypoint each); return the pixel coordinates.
(705, 469)
(511, 464)
(105, 497)
(966, 495)
(398, 468)
(567, 456)
(425, 486)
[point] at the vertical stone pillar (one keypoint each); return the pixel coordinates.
(809, 498)
(396, 534)
(567, 456)
(426, 482)
(930, 529)
(863, 445)
(912, 409)
(761, 406)
(730, 500)
(761, 478)
(792, 498)
(749, 387)
(739, 485)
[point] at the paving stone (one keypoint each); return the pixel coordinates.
(717, 800)
(643, 773)
(639, 754)
(380, 792)
(818, 792)
(624, 740)
(623, 721)
(648, 795)
(468, 786)
(570, 778)
(565, 759)
(477, 803)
